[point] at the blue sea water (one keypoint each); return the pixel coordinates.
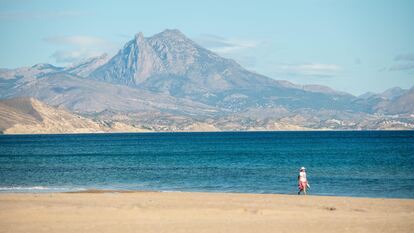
(349, 163)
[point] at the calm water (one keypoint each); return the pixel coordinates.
(371, 164)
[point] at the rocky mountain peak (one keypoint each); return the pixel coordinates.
(168, 52)
(173, 40)
(139, 37)
(171, 63)
(171, 34)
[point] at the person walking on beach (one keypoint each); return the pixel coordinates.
(303, 182)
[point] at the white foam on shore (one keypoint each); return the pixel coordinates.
(171, 191)
(30, 189)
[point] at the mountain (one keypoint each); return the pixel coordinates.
(28, 115)
(170, 63)
(167, 82)
(393, 93)
(37, 70)
(88, 96)
(402, 103)
(86, 67)
(392, 101)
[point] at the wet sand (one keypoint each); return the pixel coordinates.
(131, 211)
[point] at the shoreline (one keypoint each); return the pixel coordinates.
(121, 191)
(91, 191)
(146, 211)
(103, 191)
(235, 131)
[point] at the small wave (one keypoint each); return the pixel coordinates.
(24, 188)
(37, 189)
(171, 191)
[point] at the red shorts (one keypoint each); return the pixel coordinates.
(302, 185)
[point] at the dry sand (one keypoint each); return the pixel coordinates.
(100, 211)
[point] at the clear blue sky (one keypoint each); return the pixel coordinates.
(354, 46)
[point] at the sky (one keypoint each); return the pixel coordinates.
(353, 46)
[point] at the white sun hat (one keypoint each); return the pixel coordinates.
(302, 168)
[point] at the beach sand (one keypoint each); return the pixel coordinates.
(109, 211)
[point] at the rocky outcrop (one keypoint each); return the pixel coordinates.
(30, 116)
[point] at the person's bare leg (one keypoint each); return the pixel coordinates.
(304, 190)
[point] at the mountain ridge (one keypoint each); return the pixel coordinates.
(170, 63)
(167, 82)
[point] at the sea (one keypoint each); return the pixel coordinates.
(376, 164)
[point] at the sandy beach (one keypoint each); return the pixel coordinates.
(108, 211)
